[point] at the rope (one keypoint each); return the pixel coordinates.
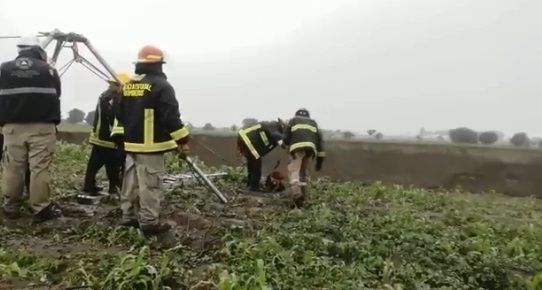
(16, 36)
(95, 68)
(65, 68)
(95, 73)
(215, 153)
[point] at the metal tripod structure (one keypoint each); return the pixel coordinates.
(72, 40)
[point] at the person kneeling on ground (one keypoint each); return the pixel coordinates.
(253, 143)
(105, 151)
(305, 143)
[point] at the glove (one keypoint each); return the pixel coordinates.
(319, 163)
(119, 142)
(281, 144)
(183, 150)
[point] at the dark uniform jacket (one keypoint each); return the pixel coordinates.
(261, 138)
(29, 90)
(103, 120)
(302, 133)
(149, 115)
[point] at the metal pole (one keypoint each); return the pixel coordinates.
(207, 181)
(102, 61)
(56, 53)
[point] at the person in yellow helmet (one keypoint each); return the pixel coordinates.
(150, 121)
(106, 150)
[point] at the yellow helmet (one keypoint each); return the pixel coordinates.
(123, 76)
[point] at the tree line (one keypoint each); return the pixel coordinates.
(462, 135)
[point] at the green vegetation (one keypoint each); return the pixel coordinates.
(351, 236)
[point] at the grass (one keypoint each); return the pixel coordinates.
(350, 236)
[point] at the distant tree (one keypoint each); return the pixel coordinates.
(489, 137)
(234, 128)
(208, 127)
(520, 139)
(89, 119)
(249, 122)
(371, 132)
(536, 142)
(75, 116)
(464, 135)
(379, 136)
(348, 135)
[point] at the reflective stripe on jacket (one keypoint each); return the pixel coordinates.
(103, 121)
(149, 115)
(29, 90)
(261, 138)
(303, 134)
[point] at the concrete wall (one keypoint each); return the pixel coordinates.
(475, 168)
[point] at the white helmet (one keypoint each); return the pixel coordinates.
(31, 43)
(28, 41)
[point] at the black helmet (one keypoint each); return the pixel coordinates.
(303, 113)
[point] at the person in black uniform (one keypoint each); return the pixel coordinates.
(29, 112)
(256, 141)
(105, 148)
(150, 121)
(305, 143)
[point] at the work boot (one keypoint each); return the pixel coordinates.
(92, 191)
(129, 222)
(155, 229)
(113, 190)
(297, 196)
(50, 212)
(298, 202)
(11, 213)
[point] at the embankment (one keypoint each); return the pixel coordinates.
(474, 168)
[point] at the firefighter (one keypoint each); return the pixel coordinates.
(105, 151)
(304, 141)
(29, 112)
(256, 141)
(150, 120)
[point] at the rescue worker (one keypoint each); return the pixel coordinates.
(256, 141)
(150, 120)
(29, 112)
(305, 143)
(105, 150)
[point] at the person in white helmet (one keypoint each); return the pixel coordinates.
(29, 112)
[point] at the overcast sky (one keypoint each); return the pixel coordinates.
(392, 65)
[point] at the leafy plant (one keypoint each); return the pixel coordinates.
(349, 236)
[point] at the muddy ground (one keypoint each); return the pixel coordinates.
(197, 218)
